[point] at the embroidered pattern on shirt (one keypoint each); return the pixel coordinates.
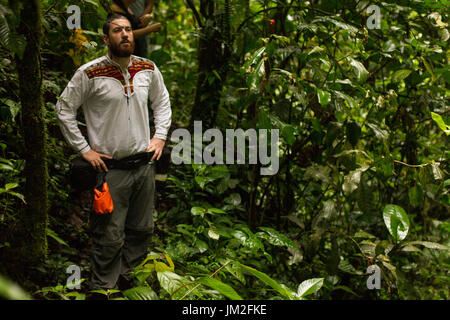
(105, 69)
(138, 65)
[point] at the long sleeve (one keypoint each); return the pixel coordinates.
(70, 100)
(159, 96)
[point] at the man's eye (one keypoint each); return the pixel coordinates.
(128, 29)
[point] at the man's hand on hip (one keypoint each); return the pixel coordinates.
(156, 145)
(95, 159)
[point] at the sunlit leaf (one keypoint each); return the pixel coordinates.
(53, 235)
(12, 291)
(396, 221)
(428, 244)
(267, 280)
(359, 70)
(309, 286)
(223, 288)
(276, 238)
(440, 122)
(400, 75)
(324, 97)
(140, 293)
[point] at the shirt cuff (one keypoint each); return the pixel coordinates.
(160, 135)
(85, 149)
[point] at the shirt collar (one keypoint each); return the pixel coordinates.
(116, 64)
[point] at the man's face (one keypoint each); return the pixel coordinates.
(120, 38)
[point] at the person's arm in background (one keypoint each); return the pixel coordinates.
(138, 33)
(145, 19)
(148, 8)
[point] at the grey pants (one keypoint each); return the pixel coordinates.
(121, 238)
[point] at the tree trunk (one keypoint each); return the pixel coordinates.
(213, 56)
(33, 221)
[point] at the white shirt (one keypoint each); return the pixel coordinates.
(115, 106)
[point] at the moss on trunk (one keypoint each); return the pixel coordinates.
(33, 221)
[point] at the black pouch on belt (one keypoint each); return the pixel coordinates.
(82, 176)
(162, 165)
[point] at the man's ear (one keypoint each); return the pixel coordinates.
(106, 39)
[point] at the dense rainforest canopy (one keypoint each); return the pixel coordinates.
(359, 93)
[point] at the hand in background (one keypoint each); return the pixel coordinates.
(145, 19)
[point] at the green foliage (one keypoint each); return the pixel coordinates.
(308, 287)
(140, 293)
(396, 221)
(11, 291)
(363, 178)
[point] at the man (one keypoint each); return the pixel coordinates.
(114, 90)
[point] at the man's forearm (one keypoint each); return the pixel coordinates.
(138, 33)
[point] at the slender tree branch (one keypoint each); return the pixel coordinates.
(194, 10)
(212, 275)
(49, 9)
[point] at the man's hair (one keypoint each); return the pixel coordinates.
(108, 21)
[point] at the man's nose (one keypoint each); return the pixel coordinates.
(125, 33)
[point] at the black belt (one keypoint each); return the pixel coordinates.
(84, 177)
(129, 163)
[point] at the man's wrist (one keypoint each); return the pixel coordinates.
(160, 136)
(85, 150)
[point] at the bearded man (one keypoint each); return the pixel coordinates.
(114, 91)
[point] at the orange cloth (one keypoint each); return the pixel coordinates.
(103, 203)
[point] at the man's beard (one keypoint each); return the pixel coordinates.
(119, 52)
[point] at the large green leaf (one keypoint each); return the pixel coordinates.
(276, 238)
(254, 67)
(428, 244)
(440, 122)
(10, 290)
(396, 221)
(254, 58)
(248, 239)
(324, 97)
(360, 71)
(236, 271)
(288, 133)
(352, 180)
(309, 286)
(198, 211)
(52, 234)
(400, 75)
(223, 288)
(140, 293)
(346, 266)
(267, 280)
(14, 42)
(174, 284)
(337, 23)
